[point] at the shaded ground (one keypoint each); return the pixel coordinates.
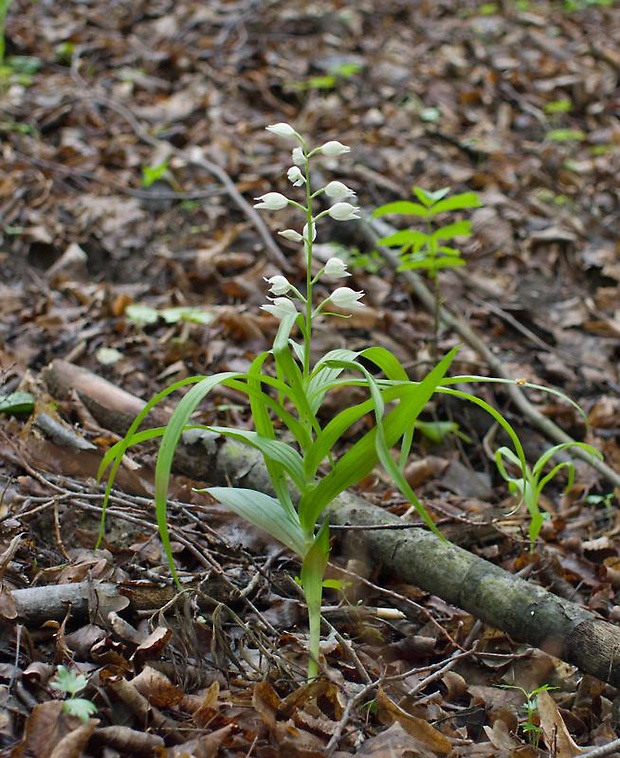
(125, 160)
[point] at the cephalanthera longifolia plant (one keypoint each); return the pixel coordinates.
(285, 391)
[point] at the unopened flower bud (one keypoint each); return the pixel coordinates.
(336, 268)
(344, 212)
(295, 176)
(272, 201)
(280, 285)
(333, 149)
(299, 157)
(282, 130)
(307, 235)
(291, 235)
(346, 298)
(338, 191)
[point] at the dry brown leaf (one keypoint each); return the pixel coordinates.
(389, 712)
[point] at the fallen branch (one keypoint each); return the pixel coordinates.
(523, 610)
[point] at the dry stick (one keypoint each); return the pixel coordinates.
(375, 229)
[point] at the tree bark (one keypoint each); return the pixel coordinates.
(523, 610)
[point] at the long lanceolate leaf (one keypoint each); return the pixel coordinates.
(266, 513)
(115, 459)
(360, 459)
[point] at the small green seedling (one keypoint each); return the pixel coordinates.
(152, 174)
(426, 250)
(530, 486)
(529, 722)
(71, 684)
(335, 74)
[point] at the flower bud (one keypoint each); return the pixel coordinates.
(291, 235)
(299, 157)
(346, 298)
(282, 130)
(343, 212)
(295, 176)
(280, 307)
(338, 191)
(336, 268)
(333, 149)
(272, 201)
(280, 285)
(306, 232)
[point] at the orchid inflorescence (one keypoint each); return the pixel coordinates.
(285, 293)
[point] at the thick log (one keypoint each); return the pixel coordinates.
(523, 610)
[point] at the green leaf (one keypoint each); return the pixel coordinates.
(266, 513)
(80, 707)
(187, 313)
(437, 431)
(567, 135)
(401, 207)
(141, 314)
(458, 229)
(430, 264)
(17, 402)
(362, 457)
(273, 449)
(68, 681)
(405, 238)
(462, 201)
(312, 572)
(429, 199)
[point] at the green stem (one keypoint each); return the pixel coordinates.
(308, 248)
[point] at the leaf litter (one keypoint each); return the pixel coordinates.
(517, 102)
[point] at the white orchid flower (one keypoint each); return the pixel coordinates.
(299, 157)
(344, 212)
(336, 268)
(282, 130)
(279, 285)
(291, 235)
(346, 298)
(280, 307)
(306, 236)
(295, 176)
(272, 201)
(338, 191)
(333, 149)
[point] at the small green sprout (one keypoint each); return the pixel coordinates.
(529, 722)
(426, 250)
(530, 486)
(71, 684)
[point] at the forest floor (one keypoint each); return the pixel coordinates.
(132, 145)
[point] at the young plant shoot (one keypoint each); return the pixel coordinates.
(428, 250)
(285, 389)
